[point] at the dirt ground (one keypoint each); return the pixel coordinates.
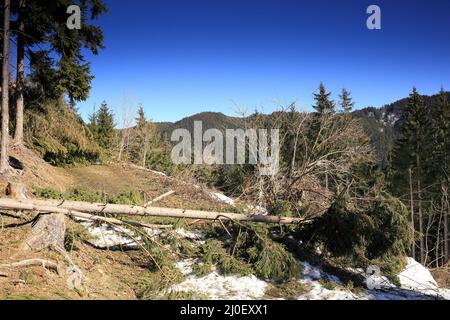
(108, 274)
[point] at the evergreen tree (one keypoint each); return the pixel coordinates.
(60, 69)
(92, 125)
(104, 133)
(141, 148)
(440, 169)
(441, 139)
(346, 102)
(411, 156)
(323, 103)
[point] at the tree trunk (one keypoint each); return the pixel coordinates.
(115, 209)
(5, 90)
(144, 158)
(419, 204)
(446, 214)
(18, 134)
(413, 231)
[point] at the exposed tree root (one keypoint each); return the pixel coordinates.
(47, 264)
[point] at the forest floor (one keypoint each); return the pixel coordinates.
(110, 274)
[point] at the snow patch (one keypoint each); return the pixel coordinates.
(192, 235)
(219, 287)
(223, 198)
(111, 237)
(417, 278)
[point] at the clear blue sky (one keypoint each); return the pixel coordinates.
(180, 57)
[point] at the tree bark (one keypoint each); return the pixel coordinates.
(48, 232)
(18, 134)
(446, 214)
(115, 209)
(412, 215)
(15, 205)
(5, 89)
(419, 200)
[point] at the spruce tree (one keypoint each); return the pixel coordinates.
(440, 167)
(323, 103)
(141, 146)
(441, 138)
(105, 133)
(60, 69)
(411, 152)
(346, 102)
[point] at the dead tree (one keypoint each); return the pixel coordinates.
(116, 209)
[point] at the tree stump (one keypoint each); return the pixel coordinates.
(17, 191)
(48, 232)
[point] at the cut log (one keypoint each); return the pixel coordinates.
(115, 209)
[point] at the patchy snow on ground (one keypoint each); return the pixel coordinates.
(417, 277)
(416, 281)
(223, 198)
(257, 210)
(191, 234)
(105, 236)
(219, 287)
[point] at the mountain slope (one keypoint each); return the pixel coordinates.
(381, 124)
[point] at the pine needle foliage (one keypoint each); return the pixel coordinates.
(252, 244)
(376, 234)
(59, 135)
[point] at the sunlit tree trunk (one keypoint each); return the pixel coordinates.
(18, 134)
(5, 90)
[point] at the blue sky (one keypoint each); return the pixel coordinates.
(180, 57)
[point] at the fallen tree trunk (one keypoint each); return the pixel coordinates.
(11, 204)
(115, 209)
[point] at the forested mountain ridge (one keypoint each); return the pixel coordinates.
(381, 124)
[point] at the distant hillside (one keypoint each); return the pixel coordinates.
(381, 124)
(209, 120)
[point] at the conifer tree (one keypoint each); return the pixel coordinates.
(143, 136)
(441, 138)
(440, 163)
(104, 133)
(60, 68)
(411, 153)
(346, 102)
(323, 103)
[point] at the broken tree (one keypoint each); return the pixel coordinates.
(115, 209)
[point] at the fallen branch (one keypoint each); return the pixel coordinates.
(33, 263)
(159, 198)
(116, 209)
